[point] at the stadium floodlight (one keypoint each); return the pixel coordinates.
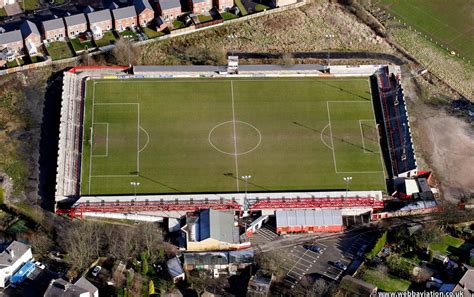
(347, 179)
(329, 37)
(135, 185)
(246, 178)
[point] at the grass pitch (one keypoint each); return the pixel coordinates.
(447, 22)
(202, 135)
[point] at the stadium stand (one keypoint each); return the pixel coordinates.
(393, 117)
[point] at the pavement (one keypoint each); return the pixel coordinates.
(347, 248)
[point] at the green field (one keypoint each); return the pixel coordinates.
(202, 135)
(449, 23)
(387, 283)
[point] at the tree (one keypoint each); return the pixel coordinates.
(151, 288)
(125, 53)
(144, 258)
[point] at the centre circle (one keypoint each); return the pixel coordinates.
(235, 138)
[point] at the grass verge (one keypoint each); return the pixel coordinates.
(59, 50)
(446, 241)
(79, 46)
(150, 33)
(107, 39)
(228, 16)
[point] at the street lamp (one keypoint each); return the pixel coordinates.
(135, 185)
(347, 179)
(329, 37)
(246, 178)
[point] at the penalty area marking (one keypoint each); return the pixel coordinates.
(332, 140)
(147, 139)
(362, 135)
(322, 137)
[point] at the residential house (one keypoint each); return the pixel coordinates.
(466, 283)
(144, 11)
(231, 261)
(175, 269)
(32, 37)
(12, 258)
(11, 45)
(211, 230)
(124, 18)
(54, 29)
(169, 9)
(259, 284)
(223, 4)
(200, 6)
(100, 22)
(76, 24)
(81, 288)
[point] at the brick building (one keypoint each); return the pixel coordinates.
(54, 29)
(124, 18)
(223, 4)
(169, 9)
(11, 45)
(75, 25)
(100, 22)
(200, 6)
(32, 36)
(144, 11)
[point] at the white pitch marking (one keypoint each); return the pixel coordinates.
(322, 140)
(235, 137)
(118, 175)
(138, 138)
(92, 133)
(147, 140)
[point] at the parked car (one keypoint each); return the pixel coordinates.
(314, 248)
(96, 270)
(40, 265)
(340, 265)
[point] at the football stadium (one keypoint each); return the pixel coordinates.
(149, 142)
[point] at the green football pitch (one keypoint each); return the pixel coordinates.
(203, 135)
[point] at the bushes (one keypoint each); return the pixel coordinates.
(378, 246)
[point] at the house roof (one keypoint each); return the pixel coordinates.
(12, 253)
(62, 288)
(99, 16)
(168, 4)
(113, 6)
(125, 12)
(89, 9)
(241, 257)
(86, 285)
(28, 28)
(77, 19)
(9, 37)
(141, 5)
(174, 267)
(216, 224)
(200, 1)
(53, 24)
(206, 258)
(466, 283)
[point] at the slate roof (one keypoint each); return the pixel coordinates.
(18, 248)
(28, 28)
(113, 6)
(53, 24)
(168, 4)
(9, 37)
(141, 5)
(99, 16)
(77, 19)
(125, 12)
(62, 288)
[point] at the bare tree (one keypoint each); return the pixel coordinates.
(125, 53)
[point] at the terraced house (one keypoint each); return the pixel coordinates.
(124, 18)
(11, 45)
(169, 9)
(76, 24)
(145, 12)
(54, 29)
(32, 37)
